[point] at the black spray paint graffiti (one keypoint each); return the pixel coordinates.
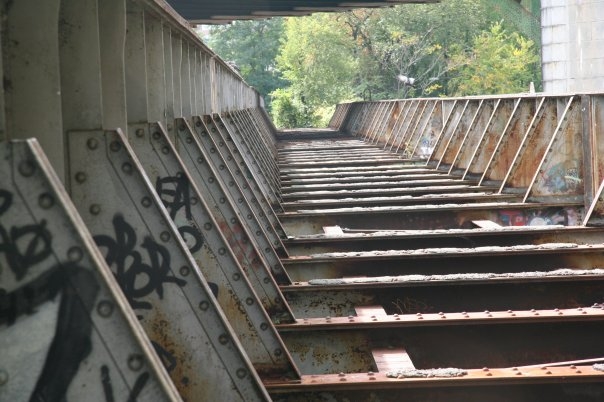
(23, 247)
(137, 278)
(174, 192)
(167, 358)
(139, 384)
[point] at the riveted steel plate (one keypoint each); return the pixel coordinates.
(66, 330)
(156, 272)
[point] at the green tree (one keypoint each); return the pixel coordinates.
(500, 62)
(316, 59)
(253, 47)
(412, 40)
(288, 110)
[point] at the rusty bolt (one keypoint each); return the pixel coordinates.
(95, 209)
(241, 373)
(489, 374)
(27, 168)
(127, 167)
(515, 368)
(46, 201)
(92, 143)
(75, 254)
(104, 308)
(115, 146)
(519, 373)
(548, 372)
(135, 362)
(80, 177)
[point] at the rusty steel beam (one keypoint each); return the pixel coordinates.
(450, 216)
(476, 385)
(411, 294)
(351, 240)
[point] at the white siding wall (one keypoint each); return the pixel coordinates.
(573, 45)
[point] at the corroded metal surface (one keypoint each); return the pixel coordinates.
(173, 300)
(482, 244)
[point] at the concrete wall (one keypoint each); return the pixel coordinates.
(573, 45)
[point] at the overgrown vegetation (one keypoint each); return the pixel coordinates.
(306, 65)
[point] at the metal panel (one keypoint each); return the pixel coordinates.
(241, 155)
(189, 211)
(215, 178)
(52, 276)
(158, 275)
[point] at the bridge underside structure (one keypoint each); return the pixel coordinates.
(161, 240)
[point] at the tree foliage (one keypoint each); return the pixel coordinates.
(253, 46)
(308, 64)
(500, 62)
(316, 58)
